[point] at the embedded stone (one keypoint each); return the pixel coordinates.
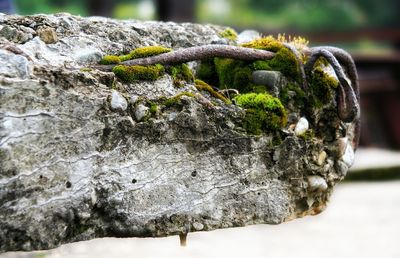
(317, 183)
(268, 78)
(118, 102)
(141, 111)
(301, 126)
(48, 35)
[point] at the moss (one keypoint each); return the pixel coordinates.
(266, 43)
(284, 60)
(261, 65)
(229, 33)
(202, 86)
(307, 135)
(85, 69)
(153, 107)
(180, 73)
(176, 99)
(110, 60)
(206, 72)
(299, 97)
(148, 51)
(137, 72)
(322, 87)
(263, 112)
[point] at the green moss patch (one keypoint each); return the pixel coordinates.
(110, 60)
(322, 87)
(263, 112)
(148, 51)
(175, 100)
(202, 86)
(229, 33)
(180, 74)
(137, 72)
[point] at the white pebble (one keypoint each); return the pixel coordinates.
(317, 183)
(141, 112)
(301, 126)
(118, 102)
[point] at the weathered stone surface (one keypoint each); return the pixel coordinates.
(76, 163)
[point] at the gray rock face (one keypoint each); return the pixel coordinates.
(76, 163)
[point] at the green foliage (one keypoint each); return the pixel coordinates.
(263, 112)
(137, 72)
(229, 33)
(109, 59)
(202, 86)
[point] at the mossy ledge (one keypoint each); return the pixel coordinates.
(263, 112)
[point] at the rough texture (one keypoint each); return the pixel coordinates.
(83, 155)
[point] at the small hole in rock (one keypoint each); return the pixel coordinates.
(194, 173)
(134, 181)
(68, 184)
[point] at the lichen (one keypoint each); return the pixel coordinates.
(176, 99)
(229, 33)
(137, 72)
(263, 112)
(110, 59)
(202, 86)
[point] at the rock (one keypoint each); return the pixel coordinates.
(301, 126)
(83, 156)
(321, 158)
(14, 35)
(48, 35)
(269, 78)
(141, 111)
(118, 102)
(12, 65)
(317, 183)
(198, 226)
(88, 55)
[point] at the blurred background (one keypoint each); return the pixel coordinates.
(362, 219)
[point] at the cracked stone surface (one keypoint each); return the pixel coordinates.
(76, 163)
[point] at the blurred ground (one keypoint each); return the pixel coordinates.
(362, 220)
